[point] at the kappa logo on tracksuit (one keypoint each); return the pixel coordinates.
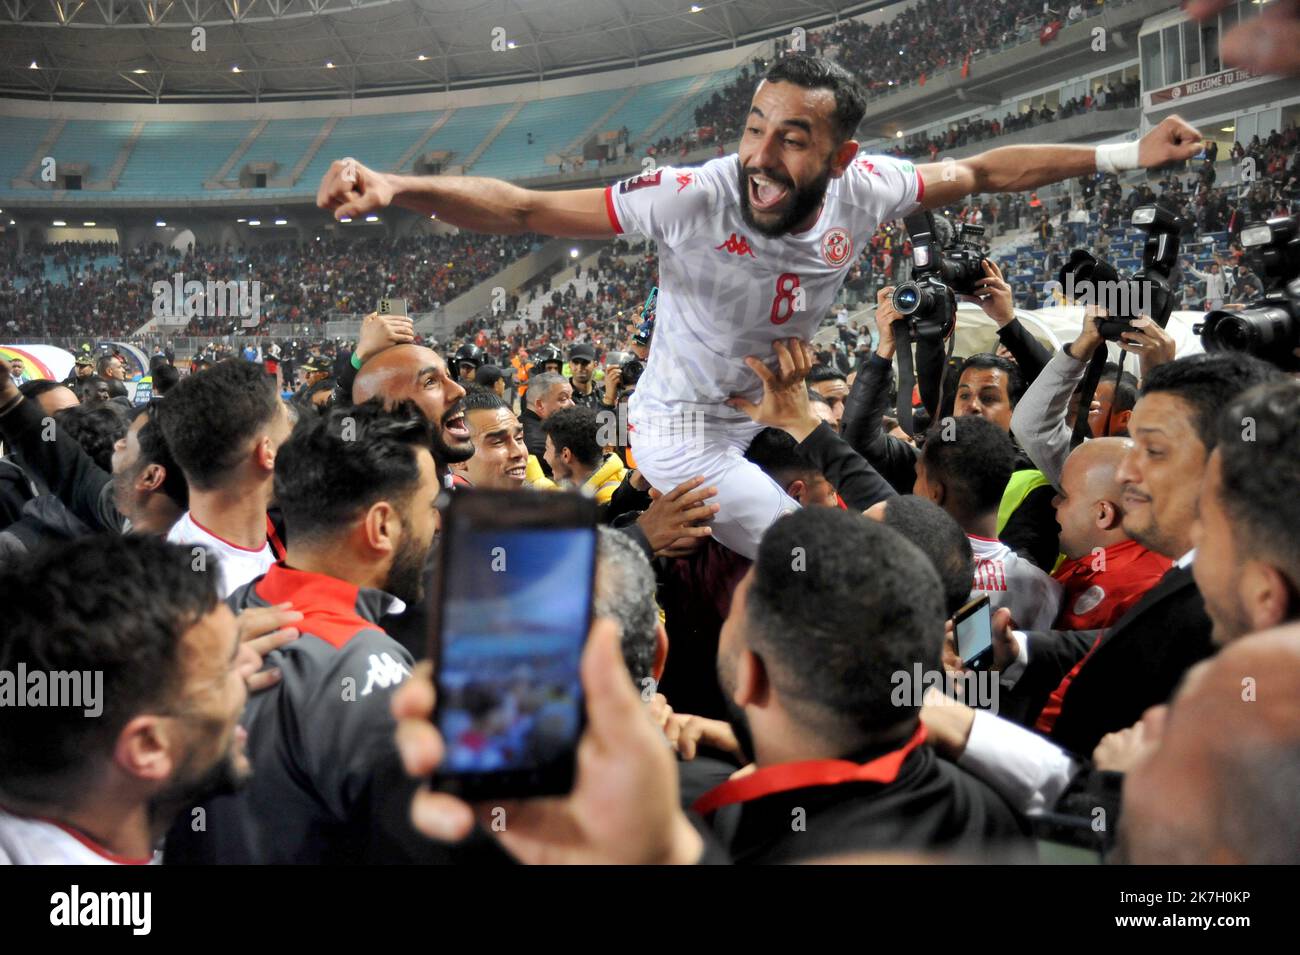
(385, 671)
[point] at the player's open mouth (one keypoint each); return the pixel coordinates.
(765, 193)
(517, 474)
(454, 426)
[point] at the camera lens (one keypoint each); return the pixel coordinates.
(906, 298)
(1259, 331)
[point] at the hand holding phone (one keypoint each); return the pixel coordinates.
(510, 615)
(392, 306)
(973, 630)
(624, 807)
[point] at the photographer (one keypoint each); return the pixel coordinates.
(868, 401)
(986, 386)
(1039, 421)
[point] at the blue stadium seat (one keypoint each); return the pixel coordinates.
(553, 122)
(173, 159)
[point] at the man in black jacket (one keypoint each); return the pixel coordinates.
(1138, 662)
(145, 491)
(814, 699)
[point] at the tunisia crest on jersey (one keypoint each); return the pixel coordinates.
(837, 246)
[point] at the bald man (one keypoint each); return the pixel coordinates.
(1106, 571)
(418, 374)
(1217, 780)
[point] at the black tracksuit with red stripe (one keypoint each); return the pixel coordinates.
(320, 741)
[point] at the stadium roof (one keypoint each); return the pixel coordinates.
(193, 50)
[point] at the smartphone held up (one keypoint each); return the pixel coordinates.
(510, 615)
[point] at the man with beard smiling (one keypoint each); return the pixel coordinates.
(358, 489)
(418, 374)
(93, 789)
(752, 248)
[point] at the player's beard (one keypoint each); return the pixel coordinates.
(803, 202)
(407, 573)
(445, 451)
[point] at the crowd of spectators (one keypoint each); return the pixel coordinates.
(922, 41)
(300, 283)
(928, 148)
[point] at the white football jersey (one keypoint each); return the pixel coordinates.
(1010, 581)
(726, 291)
(236, 565)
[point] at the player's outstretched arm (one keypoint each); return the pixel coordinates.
(1018, 168)
(350, 189)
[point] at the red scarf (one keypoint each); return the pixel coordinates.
(813, 772)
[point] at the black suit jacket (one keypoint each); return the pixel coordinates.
(1138, 664)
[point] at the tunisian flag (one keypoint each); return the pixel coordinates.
(1049, 32)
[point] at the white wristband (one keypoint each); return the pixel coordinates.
(1117, 157)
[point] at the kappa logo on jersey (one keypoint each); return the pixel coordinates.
(684, 180)
(837, 246)
(737, 245)
(384, 671)
(641, 181)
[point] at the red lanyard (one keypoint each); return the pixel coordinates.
(813, 772)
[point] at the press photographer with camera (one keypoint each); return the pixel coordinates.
(946, 265)
(986, 385)
(1040, 422)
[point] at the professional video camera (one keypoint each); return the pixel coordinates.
(940, 272)
(1269, 327)
(942, 269)
(1088, 280)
